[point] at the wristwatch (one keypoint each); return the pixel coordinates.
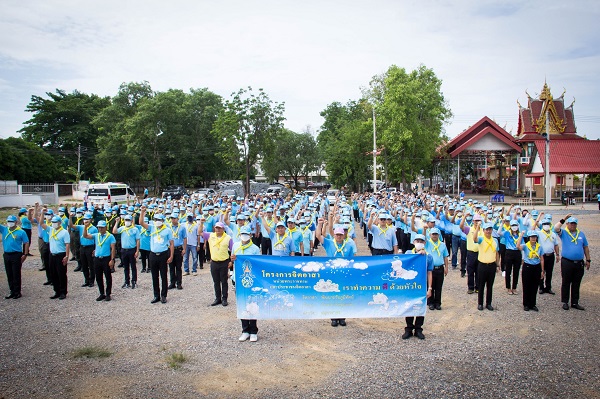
(588, 260)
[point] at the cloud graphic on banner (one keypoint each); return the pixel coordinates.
(400, 272)
(326, 286)
(310, 266)
(360, 265)
(256, 289)
(252, 309)
(339, 262)
(382, 300)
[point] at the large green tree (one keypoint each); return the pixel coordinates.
(27, 163)
(248, 127)
(411, 112)
(62, 125)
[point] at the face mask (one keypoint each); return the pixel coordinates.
(469, 218)
(10, 224)
(158, 223)
(514, 228)
(114, 212)
(61, 213)
(244, 237)
(56, 225)
(79, 215)
(419, 246)
(128, 223)
(48, 217)
(546, 227)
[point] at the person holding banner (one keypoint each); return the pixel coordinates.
(341, 246)
(245, 247)
(436, 248)
(416, 323)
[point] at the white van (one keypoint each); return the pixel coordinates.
(331, 194)
(109, 193)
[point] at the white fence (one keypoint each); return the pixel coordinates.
(16, 195)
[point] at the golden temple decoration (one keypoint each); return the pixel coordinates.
(557, 125)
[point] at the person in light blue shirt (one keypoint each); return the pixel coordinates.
(191, 232)
(549, 242)
(16, 248)
(439, 252)
(575, 259)
(162, 249)
(130, 248)
(59, 241)
(26, 218)
(533, 270)
(307, 237)
(104, 258)
(296, 235)
(86, 251)
(144, 247)
(512, 255)
(281, 241)
(384, 237)
(180, 247)
(416, 323)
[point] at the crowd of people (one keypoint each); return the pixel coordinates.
(173, 238)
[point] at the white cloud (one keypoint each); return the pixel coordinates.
(360, 265)
(400, 272)
(312, 267)
(326, 286)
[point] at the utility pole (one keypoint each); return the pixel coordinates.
(78, 162)
(548, 190)
(374, 153)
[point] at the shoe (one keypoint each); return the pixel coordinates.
(551, 292)
(225, 303)
(565, 306)
(334, 322)
(462, 274)
(143, 271)
(526, 308)
(48, 283)
(108, 298)
(11, 296)
(62, 296)
(101, 298)
(186, 273)
(42, 269)
(155, 300)
(476, 290)
(194, 273)
(577, 306)
(85, 284)
(29, 254)
(431, 307)
(77, 269)
(470, 292)
(438, 307)
(179, 287)
(125, 285)
(17, 295)
(253, 337)
(514, 292)
(342, 322)
(72, 258)
(171, 286)
(215, 303)
(541, 291)
(244, 337)
(163, 299)
(201, 267)
(489, 307)
(133, 285)
(479, 307)
(509, 291)
(90, 284)
(419, 334)
(55, 296)
(120, 265)
(454, 267)
(535, 308)
(148, 271)
(407, 334)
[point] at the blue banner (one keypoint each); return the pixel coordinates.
(271, 287)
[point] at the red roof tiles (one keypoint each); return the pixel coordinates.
(571, 156)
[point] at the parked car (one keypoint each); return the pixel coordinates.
(310, 193)
(175, 192)
(110, 193)
(331, 194)
(205, 192)
(229, 193)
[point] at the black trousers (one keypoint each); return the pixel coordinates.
(415, 323)
(502, 251)
(158, 266)
(12, 265)
(45, 255)
(265, 246)
(512, 265)
(102, 271)
(175, 271)
(129, 262)
(28, 233)
(200, 250)
(463, 255)
(381, 251)
(531, 280)
(145, 255)
(75, 245)
(437, 281)
(59, 273)
(487, 274)
(448, 242)
(219, 273)
(549, 260)
(86, 261)
(572, 274)
(249, 326)
(472, 270)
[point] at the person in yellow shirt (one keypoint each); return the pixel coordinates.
(218, 241)
(488, 263)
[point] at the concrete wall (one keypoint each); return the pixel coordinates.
(19, 201)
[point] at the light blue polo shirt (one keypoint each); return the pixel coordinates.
(572, 244)
(345, 250)
(144, 238)
(537, 253)
(438, 251)
(547, 241)
(179, 234)
(263, 230)
(103, 243)
(25, 222)
(129, 236)
(383, 239)
(91, 231)
(13, 240)
(281, 246)
(239, 249)
(297, 238)
(160, 238)
(58, 240)
(511, 241)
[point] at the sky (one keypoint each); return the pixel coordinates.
(306, 53)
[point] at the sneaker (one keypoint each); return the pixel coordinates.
(253, 337)
(194, 274)
(244, 337)
(470, 292)
(186, 273)
(126, 285)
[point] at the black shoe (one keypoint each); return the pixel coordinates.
(48, 283)
(489, 307)
(55, 296)
(407, 334)
(120, 265)
(77, 269)
(541, 291)
(342, 322)
(125, 285)
(438, 307)
(85, 284)
(11, 296)
(29, 254)
(42, 269)
(171, 286)
(133, 285)
(479, 307)
(163, 299)
(155, 300)
(462, 274)
(101, 297)
(577, 306)
(551, 292)
(225, 303)
(535, 308)
(17, 295)
(565, 306)
(215, 303)
(431, 307)
(148, 271)
(201, 267)
(108, 298)
(526, 308)
(143, 271)
(62, 296)
(72, 258)
(419, 334)
(334, 323)
(179, 287)
(90, 284)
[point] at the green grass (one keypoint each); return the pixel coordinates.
(91, 352)
(175, 360)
